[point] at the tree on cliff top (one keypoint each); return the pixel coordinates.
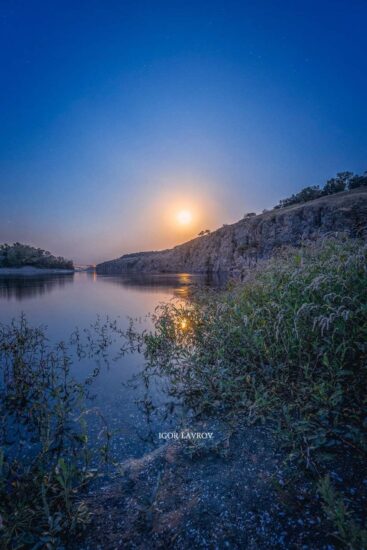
(342, 181)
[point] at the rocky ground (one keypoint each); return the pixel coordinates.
(235, 492)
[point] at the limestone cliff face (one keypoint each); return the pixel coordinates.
(234, 247)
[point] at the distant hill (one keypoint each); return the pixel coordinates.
(233, 248)
(19, 255)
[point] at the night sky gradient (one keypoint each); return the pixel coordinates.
(115, 113)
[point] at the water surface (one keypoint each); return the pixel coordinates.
(63, 302)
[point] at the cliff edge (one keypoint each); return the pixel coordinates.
(232, 248)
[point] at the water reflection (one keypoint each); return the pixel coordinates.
(179, 284)
(20, 287)
(64, 302)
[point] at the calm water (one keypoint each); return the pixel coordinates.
(64, 302)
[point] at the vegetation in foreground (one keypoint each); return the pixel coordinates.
(46, 458)
(20, 255)
(287, 348)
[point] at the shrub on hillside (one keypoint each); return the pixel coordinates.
(342, 182)
(307, 194)
(358, 181)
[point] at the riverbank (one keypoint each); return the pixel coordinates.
(285, 349)
(220, 495)
(273, 367)
(241, 492)
(29, 271)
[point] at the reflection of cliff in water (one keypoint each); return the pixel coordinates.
(22, 288)
(179, 283)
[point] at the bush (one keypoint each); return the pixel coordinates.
(358, 181)
(288, 346)
(347, 531)
(307, 194)
(249, 215)
(342, 181)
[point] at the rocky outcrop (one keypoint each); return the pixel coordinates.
(232, 248)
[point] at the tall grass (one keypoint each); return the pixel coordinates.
(287, 347)
(45, 456)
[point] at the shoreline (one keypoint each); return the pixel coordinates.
(29, 270)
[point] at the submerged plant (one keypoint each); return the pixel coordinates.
(45, 457)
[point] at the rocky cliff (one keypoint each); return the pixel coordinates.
(232, 248)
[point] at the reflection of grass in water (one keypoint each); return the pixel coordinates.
(288, 347)
(45, 456)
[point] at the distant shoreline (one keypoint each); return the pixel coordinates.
(29, 270)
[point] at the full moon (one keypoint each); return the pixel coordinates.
(184, 217)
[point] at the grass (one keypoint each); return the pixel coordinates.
(46, 460)
(347, 532)
(288, 347)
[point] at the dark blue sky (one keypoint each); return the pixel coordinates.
(115, 114)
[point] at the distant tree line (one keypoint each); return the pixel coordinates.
(19, 255)
(342, 182)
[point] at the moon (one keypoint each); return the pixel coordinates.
(184, 217)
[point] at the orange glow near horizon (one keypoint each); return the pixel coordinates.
(174, 215)
(184, 217)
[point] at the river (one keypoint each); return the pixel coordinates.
(61, 303)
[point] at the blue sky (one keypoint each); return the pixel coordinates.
(116, 114)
